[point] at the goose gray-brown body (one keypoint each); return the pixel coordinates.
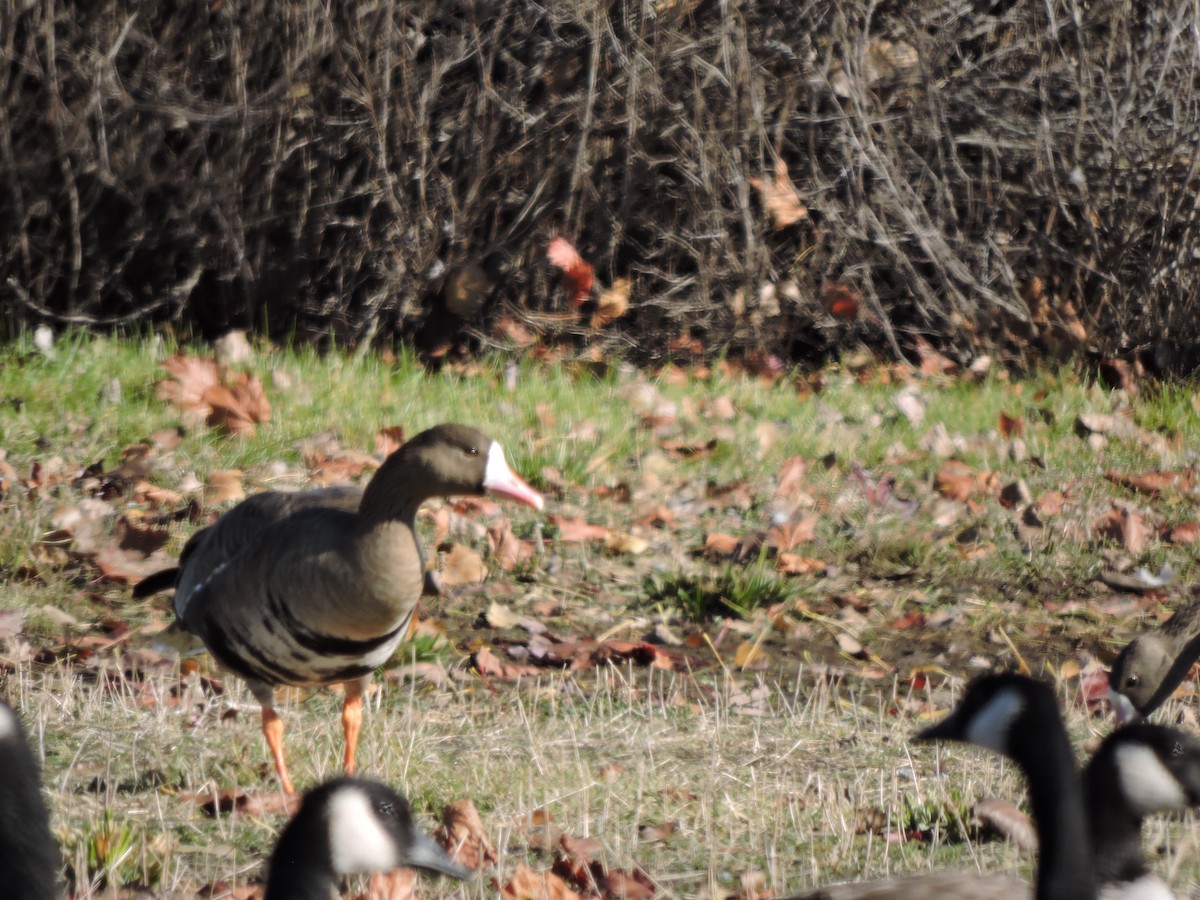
(318, 587)
(1154, 664)
(29, 859)
(349, 826)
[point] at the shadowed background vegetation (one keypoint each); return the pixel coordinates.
(1016, 177)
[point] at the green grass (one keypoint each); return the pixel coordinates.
(763, 768)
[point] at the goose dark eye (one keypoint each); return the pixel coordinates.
(472, 451)
(1132, 681)
(386, 808)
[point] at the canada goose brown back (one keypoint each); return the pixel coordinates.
(29, 858)
(349, 826)
(319, 587)
(1154, 664)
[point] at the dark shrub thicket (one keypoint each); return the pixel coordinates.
(1006, 175)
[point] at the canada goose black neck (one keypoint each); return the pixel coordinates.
(29, 859)
(1019, 717)
(349, 826)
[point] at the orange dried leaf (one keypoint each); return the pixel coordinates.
(463, 566)
(795, 564)
(1125, 527)
(461, 834)
(193, 376)
(1011, 426)
(238, 405)
(718, 544)
(577, 530)
(1184, 533)
(613, 303)
(578, 274)
(527, 884)
(840, 300)
(388, 440)
(224, 486)
(1152, 482)
(780, 197)
(791, 477)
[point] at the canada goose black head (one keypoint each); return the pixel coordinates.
(29, 859)
(350, 826)
(1139, 770)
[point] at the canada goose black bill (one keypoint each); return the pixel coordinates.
(350, 826)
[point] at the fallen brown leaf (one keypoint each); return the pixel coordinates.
(1153, 482)
(780, 198)
(238, 405)
(612, 304)
(463, 566)
(389, 440)
(224, 486)
(526, 884)
(1183, 533)
(1124, 526)
(577, 530)
(1005, 819)
(462, 835)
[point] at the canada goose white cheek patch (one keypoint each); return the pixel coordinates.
(989, 727)
(1150, 787)
(1148, 887)
(357, 841)
(8, 723)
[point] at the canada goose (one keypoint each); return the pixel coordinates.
(318, 587)
(29, 860)
(1154, 664)
(1018, 717)
(349, 826)
(1138, 771)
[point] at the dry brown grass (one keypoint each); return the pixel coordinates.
(779, 792)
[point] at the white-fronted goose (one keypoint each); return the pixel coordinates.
(1018, 717)
(318, 587)
(349, 826)
(29, 860)
(1154, 664)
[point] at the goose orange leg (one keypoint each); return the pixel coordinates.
(352, 717)
(272, 727)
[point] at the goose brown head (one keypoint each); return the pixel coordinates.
(1141, 674)
(446, 460)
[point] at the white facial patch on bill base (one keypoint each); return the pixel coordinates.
(989, 726)
(357, 840)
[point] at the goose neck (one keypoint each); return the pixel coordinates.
(1065, 866)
